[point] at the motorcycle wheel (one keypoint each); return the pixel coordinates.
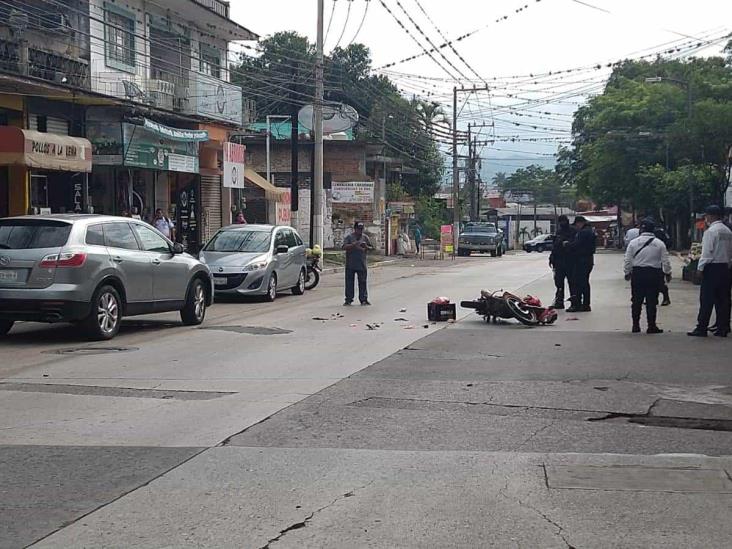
(523, 314)
(313, 279)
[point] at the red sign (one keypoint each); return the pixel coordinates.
(282, 209)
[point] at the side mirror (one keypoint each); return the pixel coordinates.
(178, 249)
(282, 250)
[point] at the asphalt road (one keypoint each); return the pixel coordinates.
(272, 429)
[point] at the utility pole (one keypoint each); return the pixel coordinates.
(455, 177)
(455, 169)
(318, 118)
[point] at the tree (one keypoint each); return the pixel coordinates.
(429, 113)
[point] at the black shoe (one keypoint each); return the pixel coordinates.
(636, 329)
(365, 303)
(347, 303)
(720, 333)
(574, 309)
(697, 333)
(558, 306)
(586, 309)
(654, 330)
(666, 302)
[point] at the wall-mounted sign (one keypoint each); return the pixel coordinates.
(234, 165)
(215, 98)
(146, 149)
(282, 209)
(353, 192)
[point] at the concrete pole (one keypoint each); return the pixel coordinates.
(455, 176)
(318, 112)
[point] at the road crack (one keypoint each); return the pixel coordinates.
(306, 521)
(547, 518)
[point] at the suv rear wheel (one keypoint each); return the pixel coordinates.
(5, 326)
(105, 317)
(194, 311)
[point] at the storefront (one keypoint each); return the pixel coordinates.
(54, 168)
(142, 167)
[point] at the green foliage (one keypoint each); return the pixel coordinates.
(280, 79)
(657, 138)
(539, 184)
(431, 214)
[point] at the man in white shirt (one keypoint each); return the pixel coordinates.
(715, 264)
(646, 265)
(164, 224)
(631, 235)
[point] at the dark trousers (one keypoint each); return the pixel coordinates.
(664, 290)
(562, 272)
(645, 285)
(714, 294)
(363, 293)
(580, 285)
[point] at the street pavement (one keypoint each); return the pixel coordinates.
(272, 429)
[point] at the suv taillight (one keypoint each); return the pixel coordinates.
(63, 259)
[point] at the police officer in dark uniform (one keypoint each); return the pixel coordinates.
(582, 251)
(561, 260)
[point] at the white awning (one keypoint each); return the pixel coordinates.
(44, 151)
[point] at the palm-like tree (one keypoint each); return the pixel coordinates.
(430, 113)
(523, 234)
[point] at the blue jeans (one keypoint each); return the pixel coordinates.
(363, 293)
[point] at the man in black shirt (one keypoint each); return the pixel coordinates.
(582, 251)
(356, 245)
(560, 259)
(661, 234)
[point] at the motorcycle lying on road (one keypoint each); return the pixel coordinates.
(495, 305)
(312, 264)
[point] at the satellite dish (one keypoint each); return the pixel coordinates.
(337, 117)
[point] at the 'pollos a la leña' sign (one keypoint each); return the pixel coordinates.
(56, 149)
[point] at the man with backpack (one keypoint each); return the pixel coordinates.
(647, 267)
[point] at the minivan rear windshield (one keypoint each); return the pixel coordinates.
(240, 241)
(27, 234)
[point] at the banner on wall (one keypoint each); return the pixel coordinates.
(234, 165)
(353, 192)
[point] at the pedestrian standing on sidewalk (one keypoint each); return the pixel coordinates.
(631, 235)
(663, 236)
(582, 252)
(417, 238)
(715, 264)
(163, 224)
(560, 260)
(648, 267)
(356, 245)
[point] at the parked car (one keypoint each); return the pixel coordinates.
(542, 243)
(481, 237)
(259, 260)
(94, 270)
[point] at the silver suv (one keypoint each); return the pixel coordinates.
(93, 270)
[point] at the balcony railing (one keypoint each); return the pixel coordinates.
(38, 63)
(217, 6)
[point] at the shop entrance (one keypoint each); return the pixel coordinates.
(56, 192)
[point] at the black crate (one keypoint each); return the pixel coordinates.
(441, 312)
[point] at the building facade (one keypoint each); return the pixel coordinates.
(139, 91)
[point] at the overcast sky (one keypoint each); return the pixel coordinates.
(548, 35)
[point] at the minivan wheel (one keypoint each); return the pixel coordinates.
(300, 288)
(105, 317)
(194, 311)
(5, 326)
(271, 288)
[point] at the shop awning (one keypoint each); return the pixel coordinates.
(44, 151)
(270, 191)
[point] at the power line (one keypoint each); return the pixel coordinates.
(345, 24)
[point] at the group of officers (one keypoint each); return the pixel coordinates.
(648, 269)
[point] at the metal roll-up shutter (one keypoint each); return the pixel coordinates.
(210, 205)
(48, 124)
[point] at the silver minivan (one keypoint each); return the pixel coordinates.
(93, 270)
(256, 260)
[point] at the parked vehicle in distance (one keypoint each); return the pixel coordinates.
(481, 237)
(259, 260)
(94, 270)
(542, 243)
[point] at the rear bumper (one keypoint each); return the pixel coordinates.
(43, 310)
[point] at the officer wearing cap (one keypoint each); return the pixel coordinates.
(582, 251)
(646, 265)
(715, 264)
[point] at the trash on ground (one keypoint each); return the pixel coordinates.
(401, 320)
(320, 318)
(404, 310)
(410, 327)
(571, 318)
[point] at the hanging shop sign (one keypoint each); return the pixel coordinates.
(45, 151)
(148, 149)
(175, 134)
(353, 192)
(234, 165)
(282, 209)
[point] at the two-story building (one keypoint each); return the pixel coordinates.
(138, 91)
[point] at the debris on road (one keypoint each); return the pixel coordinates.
(403, 310)
(401, 320)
